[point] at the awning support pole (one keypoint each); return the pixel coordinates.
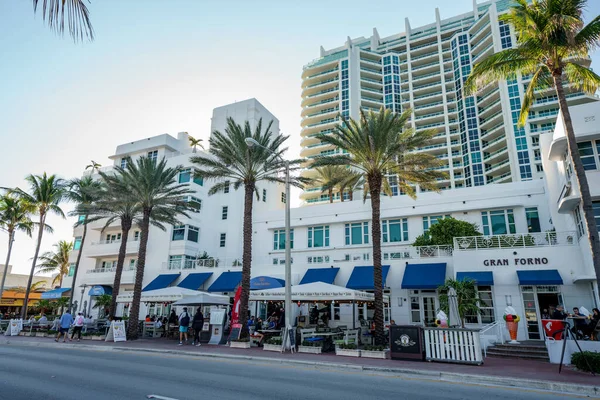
(353, 314)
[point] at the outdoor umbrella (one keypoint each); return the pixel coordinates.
(453, 308)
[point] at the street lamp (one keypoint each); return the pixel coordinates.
(288, 252)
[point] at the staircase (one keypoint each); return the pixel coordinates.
(530, 350)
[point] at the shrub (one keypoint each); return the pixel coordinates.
(311, 344)
(350, 346)
(577, 359)
(51, 332)
(274, 341)
(246, 339)
(374, 348)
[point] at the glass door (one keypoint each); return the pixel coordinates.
(531, 315)
(429, 308)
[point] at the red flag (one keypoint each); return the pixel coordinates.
(235, 312)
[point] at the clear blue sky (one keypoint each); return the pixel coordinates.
(161, 67)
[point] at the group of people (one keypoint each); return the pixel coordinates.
(584, 326)
(66, 322)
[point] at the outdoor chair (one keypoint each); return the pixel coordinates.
(306, 332)
(151, 330)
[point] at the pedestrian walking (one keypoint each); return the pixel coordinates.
(65, 323)
(78, 326)
(184, 323)
(197, 324)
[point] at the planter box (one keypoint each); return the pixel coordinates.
(22, 333)
(86, 338)
(98, 337)
(374, 354)
(309, 349)
(240, 345)
(272, 347)
(347, 352)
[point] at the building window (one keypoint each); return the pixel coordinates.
(71, 269)
(178, 233)
(486, 307)
(318, 236)
(589, 154)
(498, 222)
(185, 175)
(264, 197)
(394, 230)
(77, 244)
(279, 239)
(153, 155)
(136, 235)
(596, 210)
(224, 212)
(132, 263)
(81, 218)
(123, 163)
(226, 188)
(533, 220)
(317, 259)
(578, 222)
(357, 233)
(108, 264)
(430, 220)
(222, 240)
(193, 202)
(193, 233)
(181, 262)
(113, 237)
(283, 197)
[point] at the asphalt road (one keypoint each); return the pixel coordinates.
(53, 373)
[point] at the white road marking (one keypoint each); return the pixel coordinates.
(155, 396)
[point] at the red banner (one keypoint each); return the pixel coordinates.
(235, 312)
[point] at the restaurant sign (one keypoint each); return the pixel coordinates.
(498, 262)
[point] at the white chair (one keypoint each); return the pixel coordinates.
(306, 333)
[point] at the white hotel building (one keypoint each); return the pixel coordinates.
(534, 253)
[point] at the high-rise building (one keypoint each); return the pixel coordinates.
(423, 69)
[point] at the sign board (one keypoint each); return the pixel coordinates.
(16, 326)
(288, 339)
(217, 316)
(216, 335)
(206, 327)
(406, 342)
(116, 332)
(236, 331)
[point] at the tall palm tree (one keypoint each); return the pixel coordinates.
(160, 199)
(77, 17)
(46, 192)
(230, 159)
(94, 166)
(552, 44)
(350, 180)
(14, 217)
(329, 177)
(57, 262)
(195, 142)
(83, 192)
(380, 144)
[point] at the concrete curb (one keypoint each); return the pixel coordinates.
(569, 388)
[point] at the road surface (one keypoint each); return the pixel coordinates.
(53, 373)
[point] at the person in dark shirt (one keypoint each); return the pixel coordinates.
(197, 325)
(173, 320)
(580, 324)
(559, 313)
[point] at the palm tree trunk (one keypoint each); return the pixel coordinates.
(134, 311)
(77, 263)
(11, 236)
(375, 191)
(125, 227)
(330, 192)
(246, 257)
(35, 256)
(351, 195)
(580, 176)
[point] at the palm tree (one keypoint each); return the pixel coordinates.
(552, 46)
(78, 17)
(45, 195)
(94, 166)
(83, 192)
(195, 142)
(350, 180)
(230, 159)
(379, 145)
(467, 298)
(45, 305)
(329, 177)
(103, 302)
(14, 216)
(57, 262)
(160, 199)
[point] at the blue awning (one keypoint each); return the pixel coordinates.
(484, 278)
(540, 277)
(325, 275)
(362, 277)
(161, 282)
(424, 276)
(226, 282)
(99, 290)
(194, 281)
(266, 282)
(55, 294)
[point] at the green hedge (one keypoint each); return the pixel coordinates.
(593, 358)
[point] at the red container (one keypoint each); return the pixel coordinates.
(553, 328)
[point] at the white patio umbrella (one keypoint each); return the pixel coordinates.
(203, 299)
(454, 317)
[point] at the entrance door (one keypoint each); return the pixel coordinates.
(429, 308)
(531, 315)
(535, 300)
(423, 306)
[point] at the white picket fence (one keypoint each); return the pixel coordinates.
(453, 345)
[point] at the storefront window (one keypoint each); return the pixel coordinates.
(357, 233)
(318, 236)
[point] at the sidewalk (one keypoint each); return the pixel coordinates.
(495, 371)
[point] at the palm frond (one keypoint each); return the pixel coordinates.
(76, 14)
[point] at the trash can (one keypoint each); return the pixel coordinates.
(406, 343)
(553, 328)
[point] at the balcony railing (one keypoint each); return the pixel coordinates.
(110, 241)
(109, 270)
(511, 241)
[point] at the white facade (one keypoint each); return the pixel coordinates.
(423, 69)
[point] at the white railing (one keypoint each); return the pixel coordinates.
(491, 334)
(453, 345)
(510, 241)
(108, 270)
(111, 241)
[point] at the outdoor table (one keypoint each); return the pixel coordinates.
(327, 339)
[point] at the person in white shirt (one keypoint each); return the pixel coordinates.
(77, 326)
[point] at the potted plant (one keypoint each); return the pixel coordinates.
(243, 343)
(374, 352)
(349, 350)
(273, 344)
(310, 347)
